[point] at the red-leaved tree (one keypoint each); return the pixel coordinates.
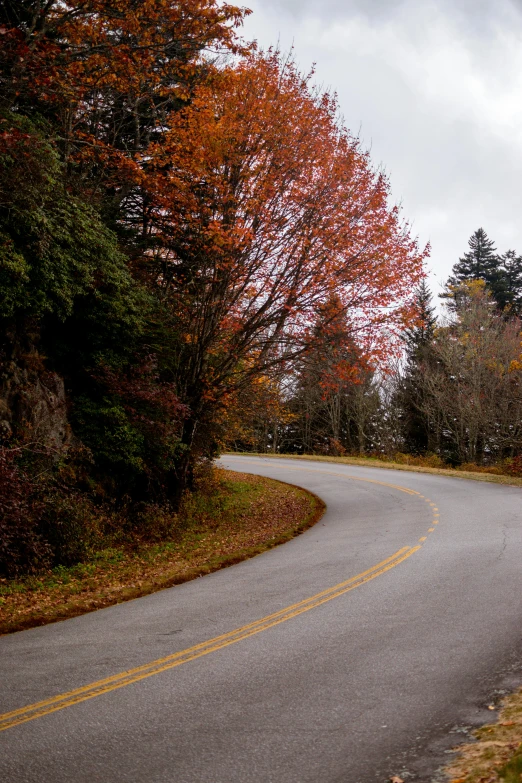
(263, 209)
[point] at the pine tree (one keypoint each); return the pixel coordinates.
(421, 334)
(481, 262)
(418, 340)
(511, 279)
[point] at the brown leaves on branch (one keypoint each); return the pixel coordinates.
(110, 72)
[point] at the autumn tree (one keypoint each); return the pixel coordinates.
(329, 383)
(178, 229)
(107, 76)
(259, 416)
(265, 208)
(85, 88)
(110, 73)
(341, 419)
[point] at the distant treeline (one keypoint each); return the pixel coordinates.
(454, 396)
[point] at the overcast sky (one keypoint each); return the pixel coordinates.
(435, 89)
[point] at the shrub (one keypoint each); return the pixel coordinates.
(472, 467)
(70, 525)
(155, 523)
(42, 523)
(22, 547)
(425, 461)
(513, 466)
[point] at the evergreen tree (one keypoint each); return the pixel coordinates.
(481, 262)
(421, 334)
(418, 339)
(511, 279)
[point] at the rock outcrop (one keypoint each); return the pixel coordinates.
(33, 406)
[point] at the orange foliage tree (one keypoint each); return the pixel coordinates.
(241, 200)
(263, 209)
(108, 73)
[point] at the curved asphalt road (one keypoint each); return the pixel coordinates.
(378, 681)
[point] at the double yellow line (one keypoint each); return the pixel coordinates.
(39, 709)
(340, 475)
(48, 706)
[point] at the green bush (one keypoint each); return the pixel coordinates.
(54, 248)
(105, 428)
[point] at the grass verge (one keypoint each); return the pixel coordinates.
(244, 516)
(496, 756)
(374, 462)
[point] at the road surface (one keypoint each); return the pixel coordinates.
(362, 649)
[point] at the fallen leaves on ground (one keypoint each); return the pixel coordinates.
(497, 744)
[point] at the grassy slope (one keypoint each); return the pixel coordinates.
(245, 516)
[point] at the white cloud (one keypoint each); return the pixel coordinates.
(436, 91)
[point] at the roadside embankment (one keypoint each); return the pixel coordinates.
(243, 516)
(496, 756)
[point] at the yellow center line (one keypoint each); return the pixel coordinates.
(62, 701)
(31, 712)
(349, 476)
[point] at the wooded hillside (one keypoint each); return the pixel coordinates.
(183, 218)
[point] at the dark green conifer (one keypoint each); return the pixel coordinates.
(418, 340)
(481, 262)
(510, 290)
(421, 334)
